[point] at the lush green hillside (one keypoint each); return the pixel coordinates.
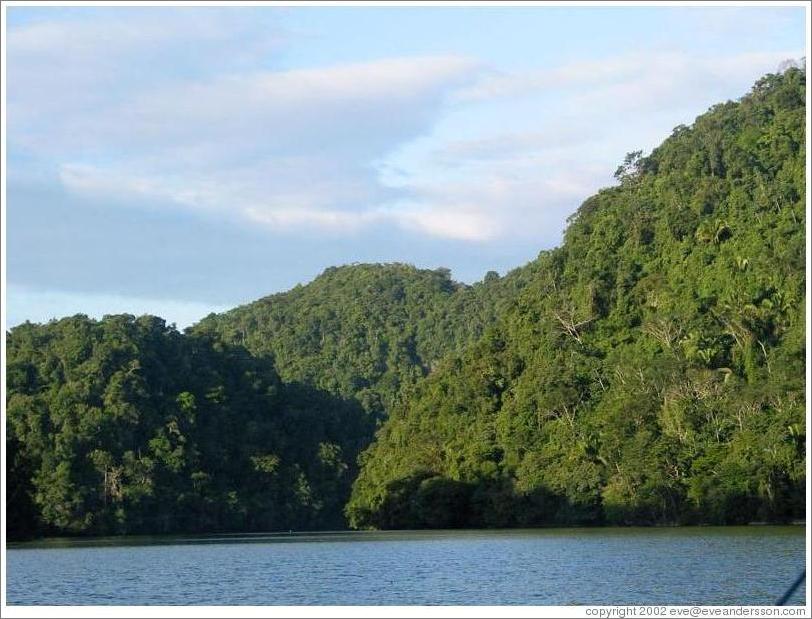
(127, 426)
(367, 331)
(651, 371)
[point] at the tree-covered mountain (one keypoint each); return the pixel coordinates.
(652, 370)
(649, 370)
(366, 331)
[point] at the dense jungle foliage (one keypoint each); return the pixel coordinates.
(367, 331)
(653, 369)
(649, 370)
(127, 426)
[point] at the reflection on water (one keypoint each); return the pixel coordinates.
(708, 565)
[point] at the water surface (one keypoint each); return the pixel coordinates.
(705, 565)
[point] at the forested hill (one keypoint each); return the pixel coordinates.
(653, 369)
(126, 426)
(649, 370)
(367, 331)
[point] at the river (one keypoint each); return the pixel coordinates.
(703, 565)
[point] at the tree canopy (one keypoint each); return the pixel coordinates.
(649, 370)
(126, 426)
(366, 331)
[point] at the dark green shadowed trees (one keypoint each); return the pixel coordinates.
(126, 426)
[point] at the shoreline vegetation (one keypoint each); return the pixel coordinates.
(649, 371)
(225, 537)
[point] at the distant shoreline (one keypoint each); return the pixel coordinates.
(190, 538)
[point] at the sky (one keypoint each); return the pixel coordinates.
(180, 161)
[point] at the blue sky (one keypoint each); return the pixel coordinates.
(178, 161)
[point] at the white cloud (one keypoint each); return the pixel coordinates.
(510, 145)
(287, 149)
(658, 73)
(510, 199)
(584, 73)
(277, 111)
(457, 222)
(312, 135)
(86, 39)
(84, 178)
(280, 218)
(58, 68)
(522, 183)
(188, 109)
